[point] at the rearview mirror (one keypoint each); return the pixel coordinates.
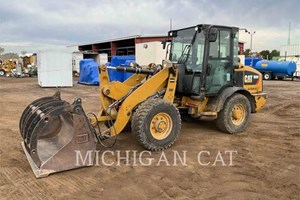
(213, 34)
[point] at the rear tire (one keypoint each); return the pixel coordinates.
(267, 76)
(280, 78)
(2, 72)
(273, 77)
(156, 123)
(235, 115)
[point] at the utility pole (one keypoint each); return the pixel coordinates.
(289, 36)
(170, 24)
(251, 35)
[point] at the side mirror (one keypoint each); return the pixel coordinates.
(213, 35)
(164, 44)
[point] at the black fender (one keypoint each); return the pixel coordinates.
(217, 103)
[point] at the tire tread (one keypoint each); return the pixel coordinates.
(138, 123)
(221, 121)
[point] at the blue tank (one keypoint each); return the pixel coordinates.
(249, 61)
(119, 61)
(279, 68)
(89, 73)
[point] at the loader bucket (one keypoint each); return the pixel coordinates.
(55, 135)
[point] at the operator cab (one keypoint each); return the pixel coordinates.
(206, 56)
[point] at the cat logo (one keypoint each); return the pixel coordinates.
(248, 78)
(251, 78)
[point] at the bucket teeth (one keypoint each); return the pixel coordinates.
(52, 131)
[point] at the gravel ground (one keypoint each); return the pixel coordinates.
(266, 166)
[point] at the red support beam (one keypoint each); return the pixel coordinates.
(94, 48)
(114, 47)
(241, 48)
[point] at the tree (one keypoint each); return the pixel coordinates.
(266, 54)
(8, 56)
(23, 52)
(1, 50)
(247, 52)
(275, 53)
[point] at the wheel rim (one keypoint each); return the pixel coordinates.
(238, 114)
(267, 76)
(161, 126)
(1, 73)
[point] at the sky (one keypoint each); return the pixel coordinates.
(32, 25)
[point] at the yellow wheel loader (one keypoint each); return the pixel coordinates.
(6, 66)
(201, 79)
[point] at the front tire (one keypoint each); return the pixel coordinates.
(156, 123)
(235, 115)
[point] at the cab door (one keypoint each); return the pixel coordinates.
(220, 63)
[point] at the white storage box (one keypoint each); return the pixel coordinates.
(55, 68)
(150, 52)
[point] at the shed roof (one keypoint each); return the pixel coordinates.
(119, 39)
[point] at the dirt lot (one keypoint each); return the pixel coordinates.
(266, 166)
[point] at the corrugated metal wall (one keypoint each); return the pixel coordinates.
(290, 50)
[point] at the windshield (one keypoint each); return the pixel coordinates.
(189, 54)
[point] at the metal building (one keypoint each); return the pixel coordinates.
(120, 46)
(290, 50)
(125, 46)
